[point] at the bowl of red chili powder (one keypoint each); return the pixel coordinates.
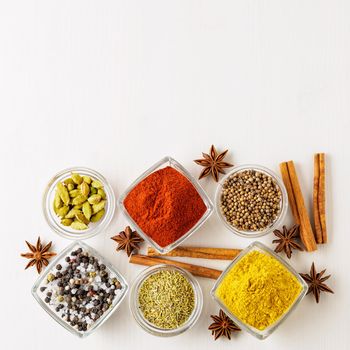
(166, 205)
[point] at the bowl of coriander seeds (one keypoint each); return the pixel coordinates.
(251, 200)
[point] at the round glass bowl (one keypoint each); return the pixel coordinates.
(151, 328)
(283, 203)
(54, 221)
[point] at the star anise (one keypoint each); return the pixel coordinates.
(213, 164)
(222, 326)
(39, 255)
(287, 240)
(315, 282)
(128, 240)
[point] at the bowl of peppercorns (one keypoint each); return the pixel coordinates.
(251, 200)
(80, 289)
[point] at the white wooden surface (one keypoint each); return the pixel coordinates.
(116, 85)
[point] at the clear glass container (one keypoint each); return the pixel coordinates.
(269, 330)
(283, 203)
(55, 222)
(145, 324)
(109, 268)
(167, 161)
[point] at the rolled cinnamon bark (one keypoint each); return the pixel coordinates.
(322, 197)
(297, 204)
(196, 270)
(198, 252)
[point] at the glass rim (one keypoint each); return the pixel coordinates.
(159, 165)
(260, 334)
(284, 201)
(148, 326)
(65, 231)
(49, 268)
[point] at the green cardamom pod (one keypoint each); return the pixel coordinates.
(97, 184)
(70, 187)
(66, 222)
(57, 202)
(84, 189)
(97, 207)
(87, 179)
(77, 178)
(69, 181)
(81, 217)
(102, 193)
(63, 192)
(77, 225)
(97, 216)
(79, 199)
(87, 211)
(62, 212)
(94, 199)
(74, 193)
(71, 213)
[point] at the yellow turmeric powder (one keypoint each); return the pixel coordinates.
(258, 290)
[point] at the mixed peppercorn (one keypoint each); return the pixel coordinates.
(81, 289)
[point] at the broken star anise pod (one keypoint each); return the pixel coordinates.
(222, 326)
(38, 254)
(287, 240)
(213, 164)
(315, 282)
(128, 240)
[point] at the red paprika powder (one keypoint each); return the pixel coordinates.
(165, 205)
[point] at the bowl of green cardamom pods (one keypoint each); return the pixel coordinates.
(78, 203)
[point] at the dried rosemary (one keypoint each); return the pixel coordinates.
(166, 299)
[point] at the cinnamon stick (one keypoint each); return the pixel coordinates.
(322, 197)
(296, 201)
(289, 188)
(317, 221)
(198, 252)
(196, 270)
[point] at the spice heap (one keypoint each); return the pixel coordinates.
(250, 200)
(80, 289)
(165, 205)
(166, 299)
(258, 289)
(79, 200)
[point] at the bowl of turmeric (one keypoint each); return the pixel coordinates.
(259, 290)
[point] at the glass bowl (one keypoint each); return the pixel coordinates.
(167, 161)
(283, 204)
(38, 295)
(145, 324)
(260, 334)
(54, 221)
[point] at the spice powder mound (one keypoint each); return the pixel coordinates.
(166, 299)
(165, 205)
(258, 290)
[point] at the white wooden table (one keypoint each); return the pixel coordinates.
(116, 85)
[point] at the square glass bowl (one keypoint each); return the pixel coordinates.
(55, 222)
(168, 161)
(260, 334)
(39, 296)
